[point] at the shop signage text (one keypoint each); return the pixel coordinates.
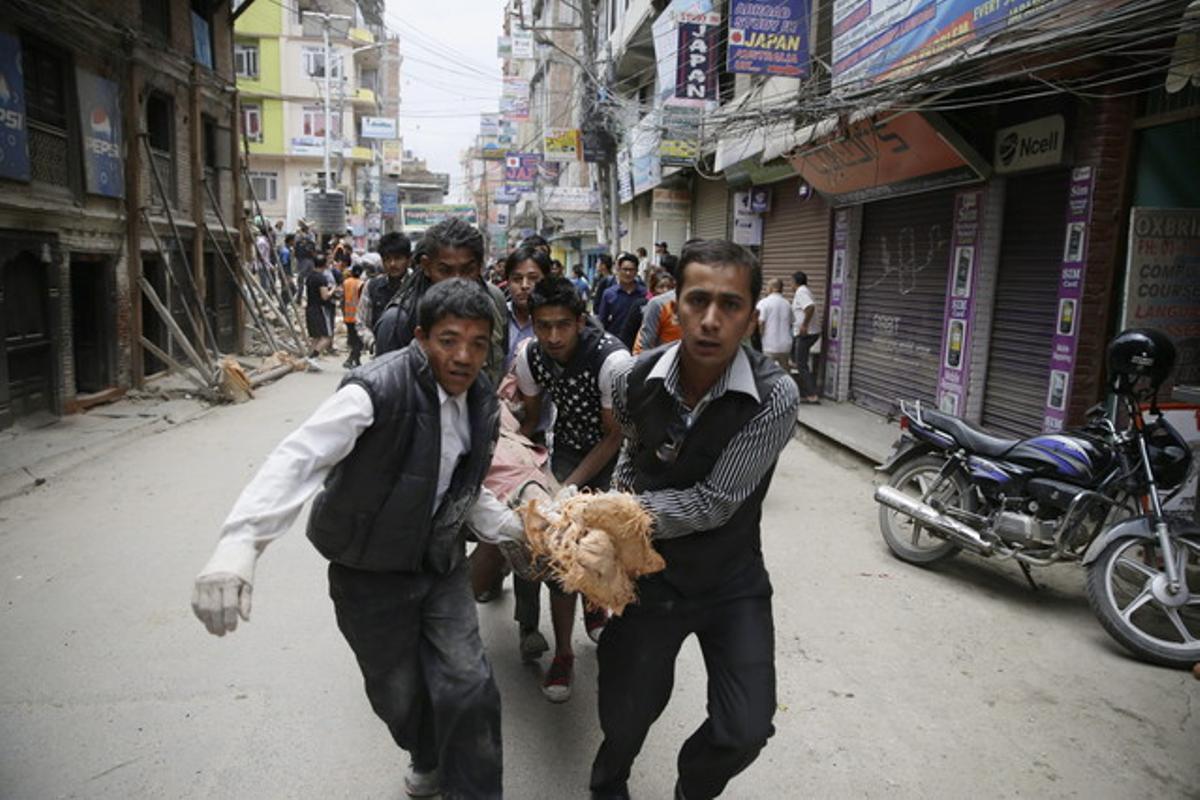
(418, 218)
(100, 121)
(696, 59)
(960, 302)
(768, 37)
(837, 287)
(1033, 144)
(14, 140)
(1070, 296)
(378, 128)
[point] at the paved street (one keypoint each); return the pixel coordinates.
(893, 681)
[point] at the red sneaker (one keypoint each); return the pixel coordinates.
(594, 621)
(557, 684)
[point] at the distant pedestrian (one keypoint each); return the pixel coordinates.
(581, 282)
(395, 252)
(804, 337)
(604, 278)
(774, 321)
(660, 322)
(620, 300)
(318, 312)
(305, 253)
(351, 301)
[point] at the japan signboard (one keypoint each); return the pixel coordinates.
(696, 58)
(521, 169)
(768, 37)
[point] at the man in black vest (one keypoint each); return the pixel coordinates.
(704, 421)
(453, 248)
(570, 361)
(398, 455)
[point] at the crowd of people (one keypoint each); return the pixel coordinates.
(490, 381)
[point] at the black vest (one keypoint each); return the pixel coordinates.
(376, 511)
(575, 387)
(699, 562)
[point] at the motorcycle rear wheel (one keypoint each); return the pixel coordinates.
(1120, 591)
(908, 539)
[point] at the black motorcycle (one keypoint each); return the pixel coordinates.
(1093, 495)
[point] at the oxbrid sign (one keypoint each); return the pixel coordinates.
(1030, 145)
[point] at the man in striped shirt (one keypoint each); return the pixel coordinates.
(704, 421)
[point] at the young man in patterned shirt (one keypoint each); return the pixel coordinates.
(571, 362)
(704, 421)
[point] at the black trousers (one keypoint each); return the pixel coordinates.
(416, 638)
(355, 343)
(637, 673)
(800, 346)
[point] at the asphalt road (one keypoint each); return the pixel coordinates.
(893, 681)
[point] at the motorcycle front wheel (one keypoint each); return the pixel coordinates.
(1126, 590)
(908, 539)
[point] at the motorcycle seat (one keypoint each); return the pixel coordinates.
(968, 437)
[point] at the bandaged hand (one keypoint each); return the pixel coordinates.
(218, 599)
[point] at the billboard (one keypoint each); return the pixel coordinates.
(562, 144)
(874, 40)
(14, 139)
(521, 169)
(768, 37)
(100, 121)
(696, 60)
(418, 218)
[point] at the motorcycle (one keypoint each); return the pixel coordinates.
(1092, 496)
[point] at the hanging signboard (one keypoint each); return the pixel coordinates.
(696, 58)
(491, 149)
(420, 217)
(489, 124)
(202, 40)
(598, 145)
(760, 200)
(507, 195)
(874, 41)
(1070, 295)
(522, 44)
(503, 47)
(644, 148)
(14, 140)
(548, 172)
(100, 121)
(665, 31)
(514, 99)
(562, 144)
(624, 175)
(393, 157)
(1162, 288)
(521, 169)
(379, 128)
(768, 37)
(570, 198)
(389, 201)
(670, 204)
(680, 145)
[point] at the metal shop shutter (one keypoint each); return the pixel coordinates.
(796, 236)
(710, 210)
(904, 258)
(1026, 306)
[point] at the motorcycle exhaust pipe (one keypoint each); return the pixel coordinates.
(930, 517)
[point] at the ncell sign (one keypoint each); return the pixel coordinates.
(1033, 144)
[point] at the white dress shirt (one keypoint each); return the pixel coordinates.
(296, 469)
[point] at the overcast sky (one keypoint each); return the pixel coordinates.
(450, 75)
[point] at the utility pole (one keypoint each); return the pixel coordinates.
(326, 24)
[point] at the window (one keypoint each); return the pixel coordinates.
(46, 105)
(266, 186)
(252, 121)
(314, 63)
(245, 60)
(156, 18)
(160, 130)
(314, 123)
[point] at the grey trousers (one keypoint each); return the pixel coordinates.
(416, 638)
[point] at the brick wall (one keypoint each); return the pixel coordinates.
(1103, 140)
